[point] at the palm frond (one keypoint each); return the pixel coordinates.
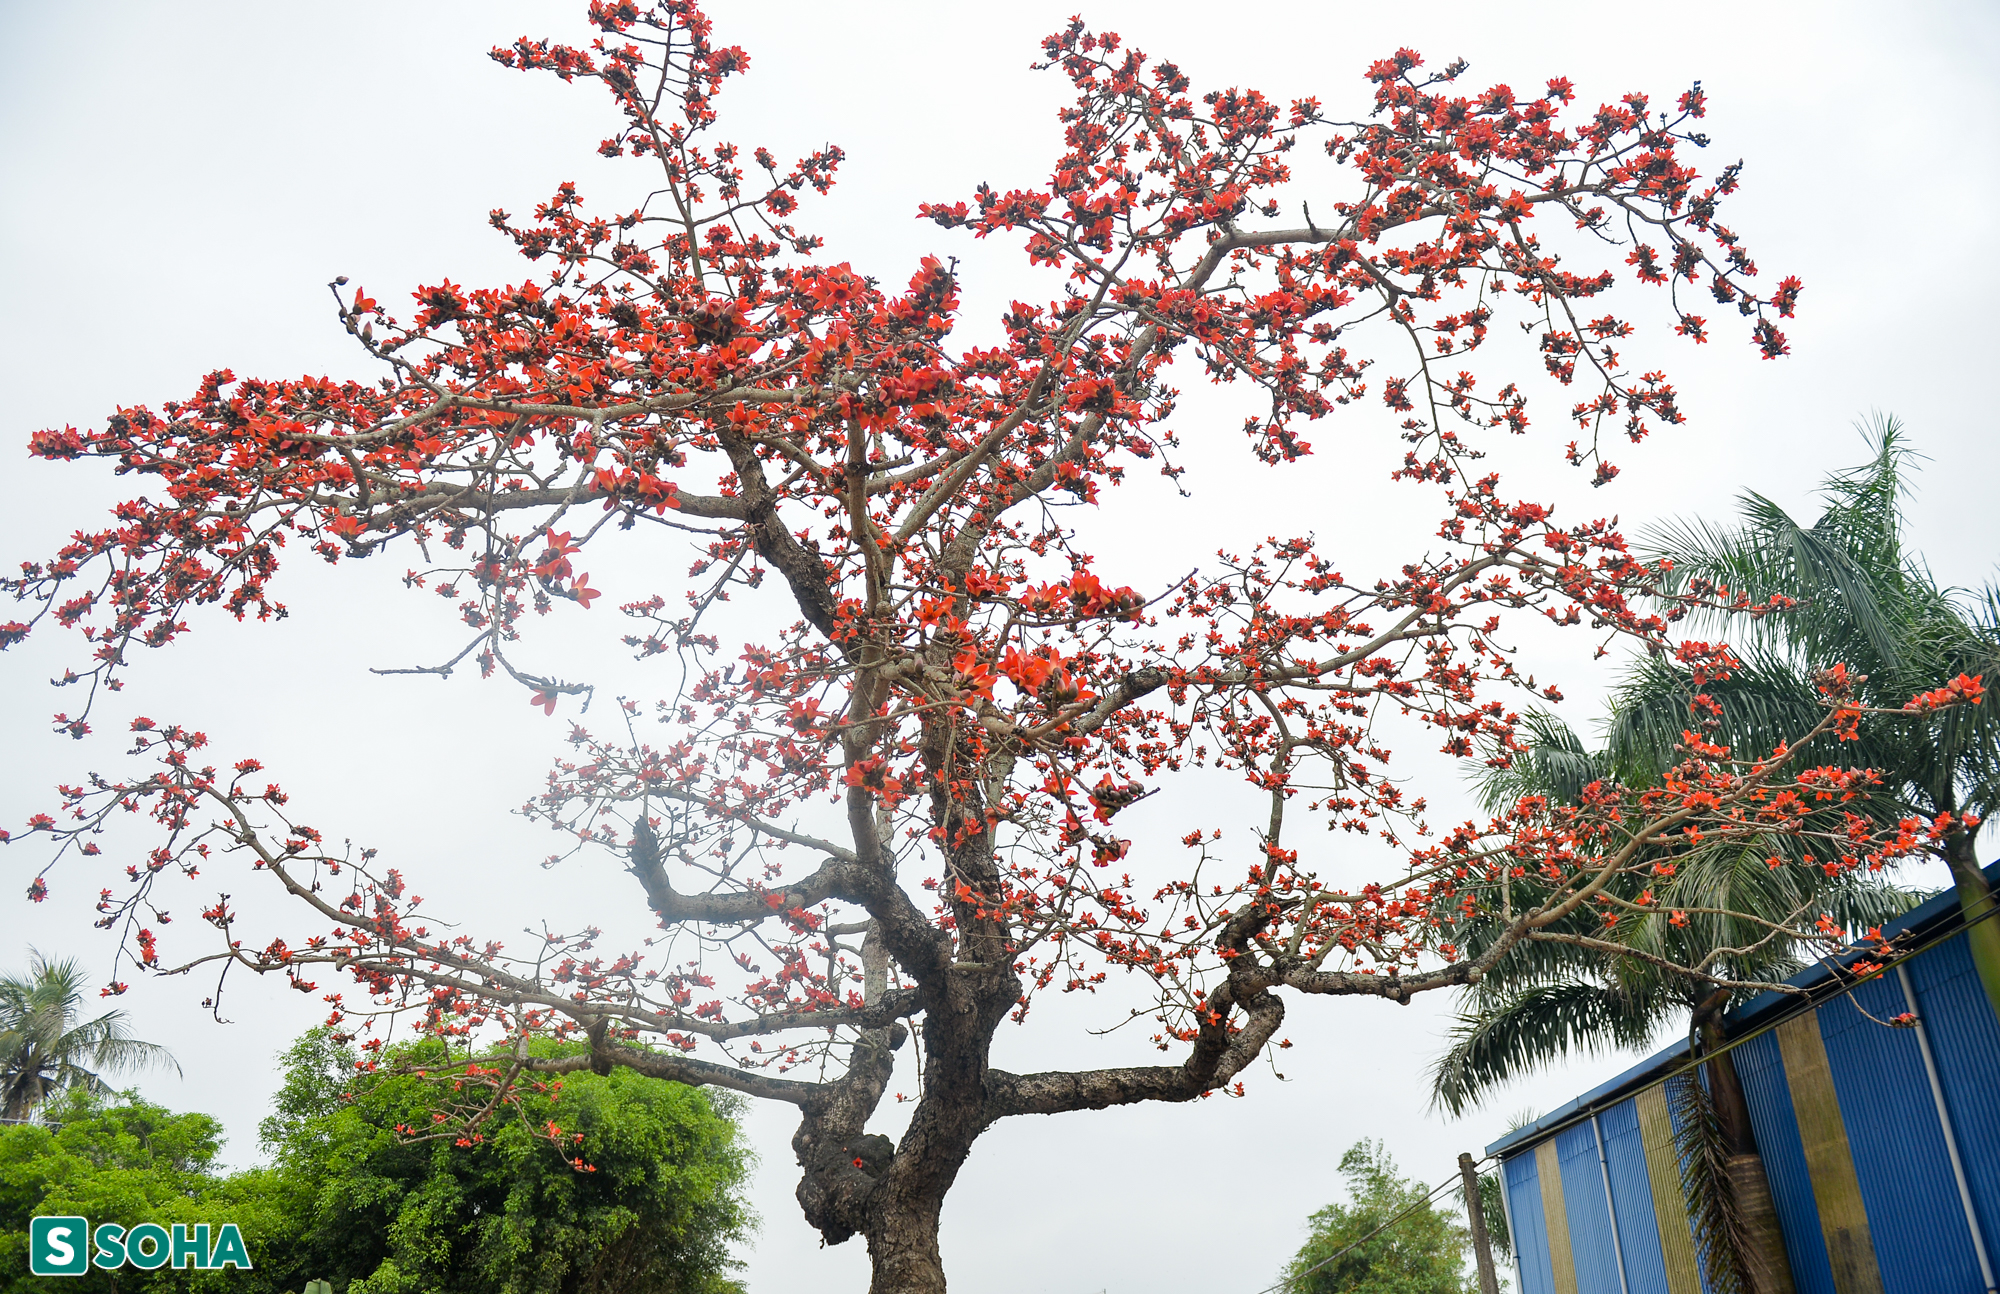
(1530, 1028)
(1705, 1187)
(1766, 703)
(121, 1054)
(44, 1048)
(1556, 764)
(1845, 570)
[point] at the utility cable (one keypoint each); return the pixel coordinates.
(1424, 1203)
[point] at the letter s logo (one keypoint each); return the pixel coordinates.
(58, 1246)
(110, 1239)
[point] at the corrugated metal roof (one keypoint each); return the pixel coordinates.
(1762, 1071)
(1590, 1244)
(1601, 1095)
(1937, 911)
(1531, 1233)
(1632, 1198)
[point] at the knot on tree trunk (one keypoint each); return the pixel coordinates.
(871, 1153)
(842, 1163)
(839, 1181)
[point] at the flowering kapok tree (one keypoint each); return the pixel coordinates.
(893, 814)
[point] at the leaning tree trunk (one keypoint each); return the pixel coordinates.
(1761, 1244)
(1976, 900)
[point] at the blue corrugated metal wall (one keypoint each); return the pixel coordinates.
(1531, 1233)
(1915, 1215)
(1762, 1070)
(1915, 1218)
(1589, 1215)
(1965, 1041)
(1632, 1196)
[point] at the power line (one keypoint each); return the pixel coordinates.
(1424, 1203)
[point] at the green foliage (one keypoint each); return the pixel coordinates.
(377, 1212)
(1494, 1212)
(126, 1161)
(1550, 1000)
(1862, 601)
(1423, 1253)
(1720, 1238)
(45, 1049)
(349, 1200)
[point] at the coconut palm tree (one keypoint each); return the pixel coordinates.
(45, 1047)
(1549, 1000)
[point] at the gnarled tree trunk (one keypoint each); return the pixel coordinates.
(856, 1183)
(903, 1252)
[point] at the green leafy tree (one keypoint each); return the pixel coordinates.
(353, 1199)
(128, 1161)
(1354, 1250)
(45, 1047)
(648, 1200)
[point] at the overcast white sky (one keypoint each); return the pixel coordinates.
(182, 180)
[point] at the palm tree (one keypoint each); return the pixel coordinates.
(1548, 1000)
(1551, 998)
(44, 1049)
(1863, 602)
